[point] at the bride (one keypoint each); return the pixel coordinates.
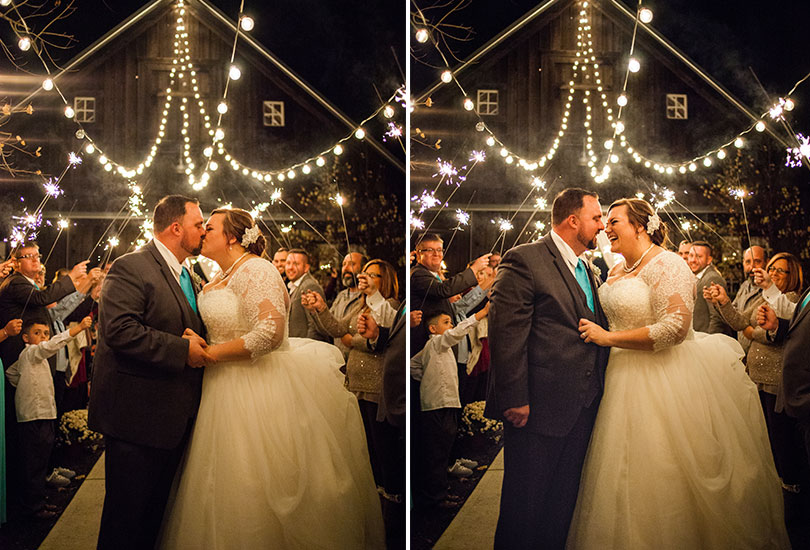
(679, 456)
(278, 456)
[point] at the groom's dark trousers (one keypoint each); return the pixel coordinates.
(144, 397)
(540, 484)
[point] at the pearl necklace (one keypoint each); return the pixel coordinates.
(224, 274)
(635, 265)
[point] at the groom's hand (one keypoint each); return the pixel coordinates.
(198, 355)
(188, 334)
(518, 416)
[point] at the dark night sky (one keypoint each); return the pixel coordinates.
(725, 38)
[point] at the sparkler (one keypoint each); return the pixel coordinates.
(394, 131)
(741, 194)
(462, 217)
(340, 200)
(74, 159)
(795, 154)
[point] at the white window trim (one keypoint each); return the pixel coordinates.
(273, 111)
(485, 100)
(677, 107)
(83, 114)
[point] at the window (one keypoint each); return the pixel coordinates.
(677, 107)
(488, 102)
(273, 112)
(85, 108)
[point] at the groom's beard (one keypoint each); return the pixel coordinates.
(590, 245)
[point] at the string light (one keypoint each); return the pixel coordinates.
(24, 43)
(422, 36)
(645, 15)
(47, 84)
(247, 23)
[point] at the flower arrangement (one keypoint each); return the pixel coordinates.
(73, 426)
(474, 422)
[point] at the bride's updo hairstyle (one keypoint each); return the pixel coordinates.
(234, 224)
(639, 212)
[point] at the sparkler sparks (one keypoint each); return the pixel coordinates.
(338, 198)
(426, 200)
(478, 156)
(275, 196)
(394, 131)
(538, 183)
(738, 193)
(795, 154)
(666, 198)
(52, 188)
(74, 159)
(63, 224)
(113, 242)
(504, 225)
(540, 203)
(462, 217)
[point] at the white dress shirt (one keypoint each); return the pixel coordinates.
(568, 255)
(174, 265)
(780, 303)
(31, 375)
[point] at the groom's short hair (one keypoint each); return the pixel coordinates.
(567, 202)
(170, 209)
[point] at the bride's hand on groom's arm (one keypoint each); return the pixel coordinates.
(593, 333)
(198, 354)
(518, 416)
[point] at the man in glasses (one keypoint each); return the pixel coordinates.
(22, 297)
(429, 290)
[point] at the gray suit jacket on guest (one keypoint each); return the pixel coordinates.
(795, 366)
(301, 323)
(537, 355)
(142, 390)
(706, 318)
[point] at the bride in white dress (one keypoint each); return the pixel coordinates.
(679, 456)
(278, 457)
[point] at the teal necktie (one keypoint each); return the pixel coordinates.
(582, 278)
(188, 289)
(804, 302)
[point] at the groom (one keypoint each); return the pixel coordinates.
(146, 383)
(545, 382)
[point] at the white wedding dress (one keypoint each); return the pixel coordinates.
(277, 458)
(679, 456)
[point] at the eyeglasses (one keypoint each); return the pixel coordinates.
(432, 250)
(372, 275)
(778, 270)
(30, 257)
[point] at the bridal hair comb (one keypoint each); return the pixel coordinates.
(251, 236)
(653, 223)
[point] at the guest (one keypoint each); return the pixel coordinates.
(683, 250)
(36, 408)
(301, 323)
(748, 296)
(435, 368)
(364, 366)
(429, 290)
(705, 318)
(280, 260)
(347, 303)
(494, 260)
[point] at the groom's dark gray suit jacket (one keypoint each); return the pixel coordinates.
(537, 355)
(142, 390)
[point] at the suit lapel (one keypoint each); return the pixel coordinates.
(800, 314)
(190, 318)
(577, 294)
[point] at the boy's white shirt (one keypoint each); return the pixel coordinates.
(435, 366)
(31, 375)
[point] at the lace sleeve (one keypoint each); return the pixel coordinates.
(672, 293)
(263, 304)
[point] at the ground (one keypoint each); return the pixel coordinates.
(21, 533)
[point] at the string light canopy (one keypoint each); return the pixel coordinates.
(615, 148)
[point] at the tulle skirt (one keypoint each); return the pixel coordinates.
(679, 457)
(277, 459)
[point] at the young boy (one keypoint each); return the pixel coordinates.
(36, 407)
(435, 365)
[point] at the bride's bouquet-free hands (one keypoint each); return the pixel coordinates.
(199, 354)
(593, 333)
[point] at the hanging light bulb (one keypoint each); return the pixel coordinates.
(47, 84)
(5, 3)
(621, 100)
(222, 108)
(69, 112)
(234, 73)
(422, 36)
(388, 111)
(320, 161)
(645, 15)
(360, 133)
(24, 44)
(633, 65)
(247, 23)
(760, 127)
(447, 77)
(469, 104)
(738, 143)
(338, 150)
